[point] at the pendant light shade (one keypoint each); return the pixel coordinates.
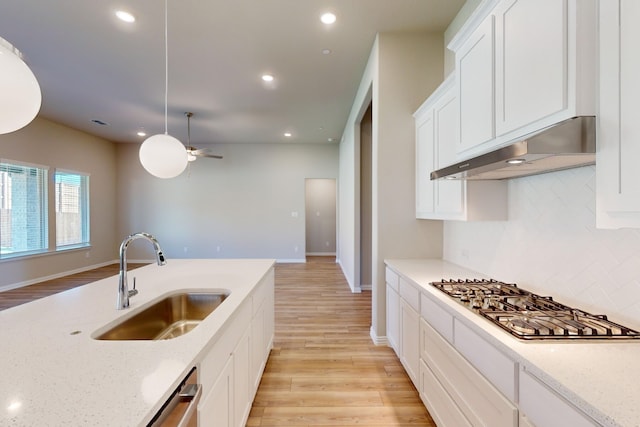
(20, 96)
(163, 156)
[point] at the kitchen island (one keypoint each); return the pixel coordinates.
(537, 383)
(54, 373)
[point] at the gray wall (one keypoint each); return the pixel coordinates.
(402, 71)
(251, 204)
(47, 143)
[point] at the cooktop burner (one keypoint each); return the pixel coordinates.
(529, 316)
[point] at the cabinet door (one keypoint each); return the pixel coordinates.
(393, 319)
(531, 61)
(258, 338)
(475, 67)
(216, 409)
(617, 175)
(449, 194)
(241, 380)
(425, 145)
(410, 345)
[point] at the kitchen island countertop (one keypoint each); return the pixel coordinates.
(54, 373)
(602, 378)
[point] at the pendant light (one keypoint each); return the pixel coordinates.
(20, 96)
(162, 155)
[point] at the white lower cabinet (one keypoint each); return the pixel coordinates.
(393, 319)
(476, 398)
(216, 408)
(441, 406)
(542, 407)
(230, 372)
(410, 344)
(242, 384)
(463, 377)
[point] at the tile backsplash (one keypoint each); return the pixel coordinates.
(550, 245)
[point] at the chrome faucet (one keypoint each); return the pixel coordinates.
(123, 286)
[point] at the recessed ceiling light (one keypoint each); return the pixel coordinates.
(326, 51)
(125, 16)
(141, 133)
(328, 18)
(330, 139)
(267, 77)
(287, 134)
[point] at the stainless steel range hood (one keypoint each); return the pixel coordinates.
(565, 145)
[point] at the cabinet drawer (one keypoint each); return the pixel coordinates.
(392, 278)
(478, 399)
(494, 365)
(410, 294)
(437, 317)
(544, 408)
(440, 405)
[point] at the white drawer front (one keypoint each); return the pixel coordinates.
(478, 399)
(392, 278)
(437, 317)
(544, 408)
(440, 405)
(410, 294)
(494, 365)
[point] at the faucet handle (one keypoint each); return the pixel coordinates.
(133, 291)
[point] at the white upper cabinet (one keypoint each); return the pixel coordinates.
(436, 140)
(523, 65)
(425, 163)
(617, 173)
(475, 68)
(531, 65)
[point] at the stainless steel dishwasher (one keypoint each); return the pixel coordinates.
(180, 410)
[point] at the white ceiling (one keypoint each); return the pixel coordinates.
(92, 66)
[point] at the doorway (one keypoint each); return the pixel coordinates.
(320, 217)
(366, 205)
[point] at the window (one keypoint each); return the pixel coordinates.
(72, 209)
(23, 209)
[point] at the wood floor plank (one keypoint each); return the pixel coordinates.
(322, 345)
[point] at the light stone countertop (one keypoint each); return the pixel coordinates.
(602, 378)
(51, 377)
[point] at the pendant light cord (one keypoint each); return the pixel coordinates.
(166, 66)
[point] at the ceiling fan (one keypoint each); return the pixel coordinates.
(192, 152)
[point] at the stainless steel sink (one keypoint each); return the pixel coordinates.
(170, 317)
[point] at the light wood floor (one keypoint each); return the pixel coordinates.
(324, 369)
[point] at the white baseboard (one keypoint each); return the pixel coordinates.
(321, 254)
(377, 340)
(291, 260)
(55, 276)
(366, 287)
(354, 289)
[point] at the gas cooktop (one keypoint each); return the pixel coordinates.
(529, 316)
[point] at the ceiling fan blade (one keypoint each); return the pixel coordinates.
(213, 156)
